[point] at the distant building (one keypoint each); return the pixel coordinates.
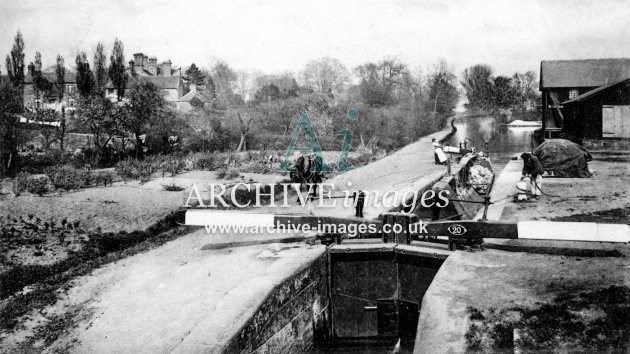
(565, 80)
(163, 76)
(184, 103)
(70, 90)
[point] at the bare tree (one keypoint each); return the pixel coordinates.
(325, 75)
(245, 118)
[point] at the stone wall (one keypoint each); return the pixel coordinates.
(292, 319)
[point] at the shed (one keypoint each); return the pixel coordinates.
(563, 80)
(600, 113)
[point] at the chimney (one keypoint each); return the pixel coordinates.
(138, 59)
(166, 68)
(145, 60)
(152, 66)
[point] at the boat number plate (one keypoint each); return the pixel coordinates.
(456, 230)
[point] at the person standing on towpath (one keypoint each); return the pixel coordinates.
(533, 168)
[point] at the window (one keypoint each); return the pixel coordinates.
(573, 94)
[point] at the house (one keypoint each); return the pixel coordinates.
(70, 90)
(146, 69)
(184, 103)
(564, 80)
(600, 118)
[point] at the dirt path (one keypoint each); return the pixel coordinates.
(181, 297)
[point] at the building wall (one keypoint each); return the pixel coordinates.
(171, 95)
(29, 94)
(583, 120)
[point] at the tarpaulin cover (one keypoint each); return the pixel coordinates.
(563, 158)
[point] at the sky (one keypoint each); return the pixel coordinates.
(279, 36)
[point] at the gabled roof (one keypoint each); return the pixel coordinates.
(583, 73)
(190, 95)
(594, 92)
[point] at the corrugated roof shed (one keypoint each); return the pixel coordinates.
(583, 73)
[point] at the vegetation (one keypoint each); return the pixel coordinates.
(233, 111)
(96, 249)
(488, 93)
(594, 322)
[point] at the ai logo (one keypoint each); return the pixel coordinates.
(304, 124)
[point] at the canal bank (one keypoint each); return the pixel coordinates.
(204, 292)
(529, 295)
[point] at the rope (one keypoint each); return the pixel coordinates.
(541, 191)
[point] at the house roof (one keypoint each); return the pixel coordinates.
(161, 82)
(583, 73)
(190, 95)
(69, 77)
(594, 92)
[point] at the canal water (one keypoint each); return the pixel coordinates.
(503, 141)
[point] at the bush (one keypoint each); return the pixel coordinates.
(132, 169)
(68, 177)
(37, 163)
(147, 167)
(174, 165)
(172, 187)
(105, 178)
(204, 161)
(20, 183)
(126, 170)
(225, 173)
(37, 185)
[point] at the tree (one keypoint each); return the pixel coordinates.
(100, 69)
(210, 90)
(193, 75)
(117, 72)
(525, 86)
(325, 75)
(15, 67)
(145, 102)
(60, 84)
(35, 70)
(101, 117)
(245, 116)
(504, 93)
(10, 106)
(223, 78)
(275, 86)
(478, 82)
(60, 73)
(85, 77)
(443, 94)
(380, 82)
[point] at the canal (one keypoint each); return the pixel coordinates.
(503, 141)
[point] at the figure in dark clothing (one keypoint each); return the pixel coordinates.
(437, 150)
(533, 169)
(360, 200)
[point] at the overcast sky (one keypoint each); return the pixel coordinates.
(276, 36)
